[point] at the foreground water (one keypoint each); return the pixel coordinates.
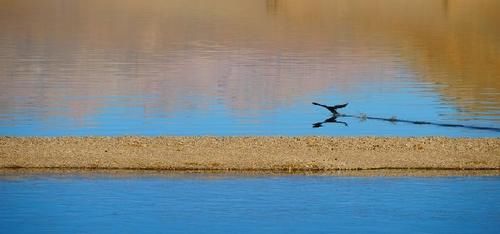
(270, 204)
(247, 67)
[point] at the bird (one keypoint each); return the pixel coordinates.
(332, 109)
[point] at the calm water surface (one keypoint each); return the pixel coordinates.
(247, 67)
(283, 204)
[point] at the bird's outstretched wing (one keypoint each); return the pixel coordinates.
(317, 104)
(340, 106)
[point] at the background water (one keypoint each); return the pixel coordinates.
(218, 204)
(247, 67)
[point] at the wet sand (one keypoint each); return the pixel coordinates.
(278, 154)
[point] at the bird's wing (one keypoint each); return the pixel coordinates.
(340, 106)
(317, 104)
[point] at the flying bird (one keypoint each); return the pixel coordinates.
(332, 109)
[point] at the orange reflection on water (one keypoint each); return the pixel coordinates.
(248, 55)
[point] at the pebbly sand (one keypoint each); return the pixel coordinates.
(250, 153)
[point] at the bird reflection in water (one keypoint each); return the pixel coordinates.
(332, 119)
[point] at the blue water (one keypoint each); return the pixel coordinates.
(251, 204)
(292, 120)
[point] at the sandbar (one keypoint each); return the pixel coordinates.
(285, 154)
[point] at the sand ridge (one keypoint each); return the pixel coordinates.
(250, 153)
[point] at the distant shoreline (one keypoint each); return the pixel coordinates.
(259, 154)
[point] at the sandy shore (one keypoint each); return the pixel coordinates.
(250, 153)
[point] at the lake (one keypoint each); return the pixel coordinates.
(212, 203)
(249, 67)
